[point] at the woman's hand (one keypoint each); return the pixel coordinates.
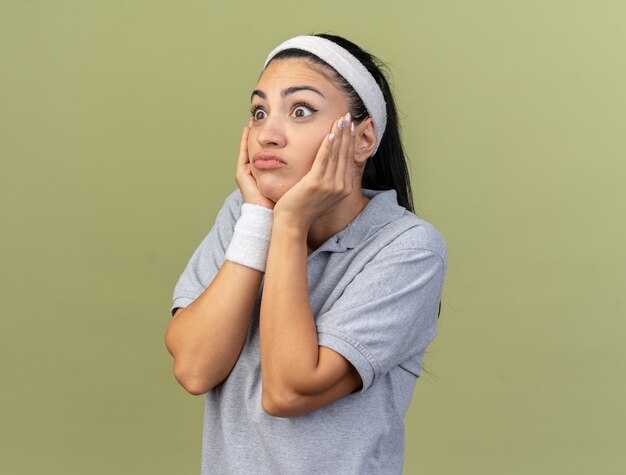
(328, 182)
(243, 176)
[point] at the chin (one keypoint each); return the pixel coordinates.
(272, 193)
(272, 189)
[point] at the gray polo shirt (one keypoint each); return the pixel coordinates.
(374, 290)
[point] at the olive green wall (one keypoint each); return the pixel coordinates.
(119, 125)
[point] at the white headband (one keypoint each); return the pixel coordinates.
(350, 68)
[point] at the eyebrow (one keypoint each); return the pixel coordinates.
(287, 91)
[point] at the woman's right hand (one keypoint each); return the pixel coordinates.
(243, 176)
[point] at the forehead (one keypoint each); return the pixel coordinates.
(285, 72)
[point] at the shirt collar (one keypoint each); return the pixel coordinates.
(381, 209)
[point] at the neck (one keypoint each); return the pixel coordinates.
(330, 224)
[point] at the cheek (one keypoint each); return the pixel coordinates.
(310, 147)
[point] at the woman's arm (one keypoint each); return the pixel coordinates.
(206, 338)
(298, 375)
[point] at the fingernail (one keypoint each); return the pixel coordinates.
(340, 124)
(348, 118)
(352, 128)
(331, 137)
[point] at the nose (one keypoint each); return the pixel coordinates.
(271, 133)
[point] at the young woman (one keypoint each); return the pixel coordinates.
(305, 312)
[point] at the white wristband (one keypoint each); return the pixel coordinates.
(251, 238)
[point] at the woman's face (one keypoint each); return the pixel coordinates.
(293, 108)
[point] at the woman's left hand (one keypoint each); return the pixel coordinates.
(328, 182)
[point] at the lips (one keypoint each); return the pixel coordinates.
(267, 161)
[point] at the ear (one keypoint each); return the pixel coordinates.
(365, 141)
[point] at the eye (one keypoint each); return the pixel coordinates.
(302, 110)
(258, 112)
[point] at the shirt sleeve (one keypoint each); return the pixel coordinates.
(208, 257)
(387, 314)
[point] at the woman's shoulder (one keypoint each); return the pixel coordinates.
(421, 234)
(231, 208)
(234, 200)
(402, 230)
(411, 234)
